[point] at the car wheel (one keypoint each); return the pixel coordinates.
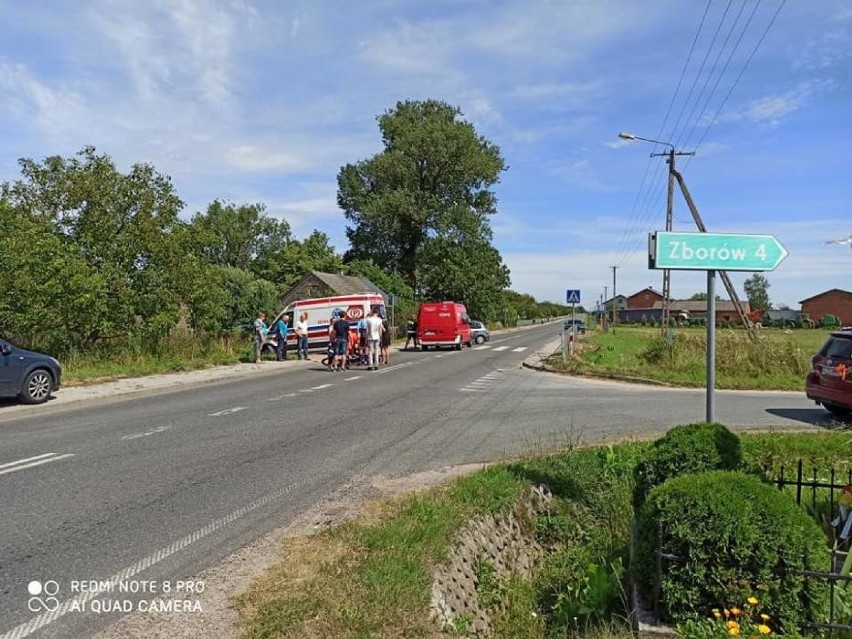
(479, 339)
(423, 347)
(37, 387)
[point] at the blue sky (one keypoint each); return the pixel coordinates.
(264, 101)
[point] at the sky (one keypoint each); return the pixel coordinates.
(264, 101)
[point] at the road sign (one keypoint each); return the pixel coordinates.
(572, 296)
(714, 252)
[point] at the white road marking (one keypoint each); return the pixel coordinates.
(79, 602)
(278, 398)
(501, 348)
(470, 390)
(481, 348)
(42, 459)
(519, 349)
(321, 386)
(28, 459)
(227, 411)
(394, 367)
(439, 355)
(146, 433)
(349, 379)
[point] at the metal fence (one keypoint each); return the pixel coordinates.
(819, 488)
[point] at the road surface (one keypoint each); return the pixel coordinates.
(150, 490)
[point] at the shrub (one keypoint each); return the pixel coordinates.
(736, 538)
(693, 448)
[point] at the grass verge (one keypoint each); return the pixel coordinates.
(372, 577)
(778, 360)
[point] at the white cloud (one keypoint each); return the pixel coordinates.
(581, 173)
(772, 110)
(252, 158)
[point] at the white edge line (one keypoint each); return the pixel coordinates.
(36, 623)
(321, 386)
(38, 463)
(349, 379)
(28, 459)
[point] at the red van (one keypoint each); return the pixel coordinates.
(443, 324)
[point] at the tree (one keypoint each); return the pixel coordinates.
(289, 263)
(756, 288)
(471, 271)
(237, 236)
(430, 184)
(115, 237)
(698, 297)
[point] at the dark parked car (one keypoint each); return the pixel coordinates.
(578, 325)
(479, 332)
(30, 376)
(830, 381)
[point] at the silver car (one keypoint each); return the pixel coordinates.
(478, 332)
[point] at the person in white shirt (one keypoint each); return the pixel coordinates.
(302, 337)
(375, 328)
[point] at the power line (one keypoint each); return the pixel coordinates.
(628, 233)
(724, 70)
(739, 77)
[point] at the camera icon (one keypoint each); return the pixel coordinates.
(43, 596)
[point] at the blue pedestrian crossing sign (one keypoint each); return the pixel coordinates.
(572, 296)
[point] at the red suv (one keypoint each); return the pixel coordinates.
(830, 382)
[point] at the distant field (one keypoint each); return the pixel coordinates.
(778, 360)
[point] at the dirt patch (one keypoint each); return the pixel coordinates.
(235, 574)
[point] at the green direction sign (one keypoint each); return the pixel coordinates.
(714, 252)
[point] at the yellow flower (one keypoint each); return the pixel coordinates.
(736, 611)
(732, 624)
(753, 601)
(763, 629)
(765, 617)
(717, 614)
(727, 613)
(734, 632)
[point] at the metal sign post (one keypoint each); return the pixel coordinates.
(572, 297)
(713, 252)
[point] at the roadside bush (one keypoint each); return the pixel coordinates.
(692, 448)
(736, 538)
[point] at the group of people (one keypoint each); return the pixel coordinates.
(280, 331)
(370, 340)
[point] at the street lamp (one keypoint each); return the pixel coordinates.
(670, 154)
(631, 136)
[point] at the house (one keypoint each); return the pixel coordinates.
(644, 298)
(726, 310)
(619, 303)
(318, 284)
(835, 301)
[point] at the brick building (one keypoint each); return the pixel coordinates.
(646, 298)
(832, 302)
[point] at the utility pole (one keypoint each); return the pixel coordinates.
(671, 154)
(614, 295)
(606, 288)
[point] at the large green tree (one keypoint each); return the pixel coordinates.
(114, 237)
(238, 236)
(427, 196)
(757, 291)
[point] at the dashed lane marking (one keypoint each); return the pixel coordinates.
(501, 348)
(228, 411)
(321, 386)
(147, 433)
(519, 349)
(31, 462)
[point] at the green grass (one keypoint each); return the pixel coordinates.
(371, 577)
(776, 361)
(174, 354)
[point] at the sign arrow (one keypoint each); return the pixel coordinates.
(714, 252)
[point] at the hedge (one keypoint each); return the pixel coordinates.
(737, 537)
(692, 448)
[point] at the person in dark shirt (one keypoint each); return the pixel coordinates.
(410, 334)
(340, 337)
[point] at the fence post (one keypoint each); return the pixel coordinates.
(799, 483)
(659, 570)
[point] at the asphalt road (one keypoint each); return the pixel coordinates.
(158, 488)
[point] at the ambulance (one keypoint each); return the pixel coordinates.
(320, 310)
